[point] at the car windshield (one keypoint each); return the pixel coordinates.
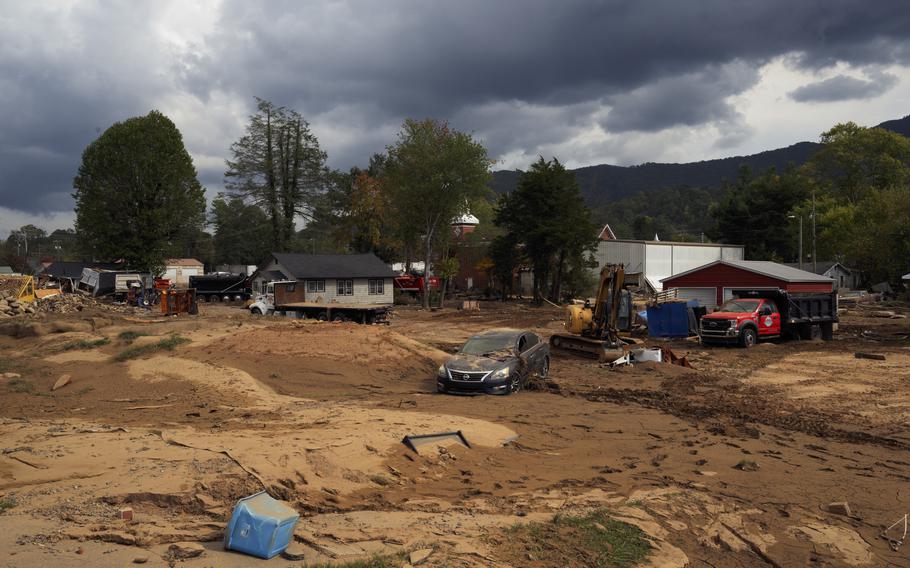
(484, 344)
(739, 306)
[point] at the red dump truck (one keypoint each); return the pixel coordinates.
(415, 283)
(752, 315)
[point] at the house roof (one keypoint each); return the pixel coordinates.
(334, 265)
(272, 275)
(182, 262)
(765, 268)
(73, 269)
(822, 266)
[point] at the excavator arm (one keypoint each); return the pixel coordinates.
(593, 330)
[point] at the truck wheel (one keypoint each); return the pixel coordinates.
(827, 331)
(256, 312)
(747, 337)
(322, 317)
(339, 318)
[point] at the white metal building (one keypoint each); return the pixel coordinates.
(652, 261)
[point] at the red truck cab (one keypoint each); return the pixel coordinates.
(415, 284)
(742, 320)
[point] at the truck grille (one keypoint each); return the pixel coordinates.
(468, 376)
(712, 324)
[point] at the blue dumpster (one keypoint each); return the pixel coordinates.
(671, 319)
(260, 526)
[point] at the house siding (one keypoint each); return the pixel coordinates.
(361, 289)
(181, 274)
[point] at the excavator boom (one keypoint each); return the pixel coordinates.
(593, 330)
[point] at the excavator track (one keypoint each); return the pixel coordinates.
(584, 347)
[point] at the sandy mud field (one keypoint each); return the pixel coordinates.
(743, 461)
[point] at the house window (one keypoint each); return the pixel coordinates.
(315, 286)
(377, 286)
(345, 287)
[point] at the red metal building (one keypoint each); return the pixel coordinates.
(713, 284)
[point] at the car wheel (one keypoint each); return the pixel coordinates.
(545, 368)
(256, 312)
(514, 383)
(748, 338)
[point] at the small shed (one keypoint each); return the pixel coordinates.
(713, 283)
(844, 278)
(179, 270)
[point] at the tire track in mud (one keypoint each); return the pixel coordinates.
(736, 403)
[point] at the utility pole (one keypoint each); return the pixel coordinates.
(814, 257)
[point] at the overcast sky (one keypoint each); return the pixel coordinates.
(588, 82)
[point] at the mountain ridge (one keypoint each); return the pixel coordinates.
(603, 183)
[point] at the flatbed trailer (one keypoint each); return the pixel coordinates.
(359, 313)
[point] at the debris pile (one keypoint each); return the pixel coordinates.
(11, 306)
(69, 303)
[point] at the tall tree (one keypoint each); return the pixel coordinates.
(754, 213)
(432, 172)
(137, 196)
(861, 178)
(242, 234)
(855, 160)
(547, 213)
(278, 166)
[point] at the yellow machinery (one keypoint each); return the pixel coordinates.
(593, 330)
(23, 287)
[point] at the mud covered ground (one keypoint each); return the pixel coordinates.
(733, 463)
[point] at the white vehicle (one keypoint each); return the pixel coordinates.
(265, 303)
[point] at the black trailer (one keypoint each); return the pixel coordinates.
(358, 313)
(222, 287)
(802, 315)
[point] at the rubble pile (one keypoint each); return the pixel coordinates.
(58, 304)
(11, 306)
(69, 303)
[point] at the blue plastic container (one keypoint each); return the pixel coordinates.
(671, 319)
(260, 526)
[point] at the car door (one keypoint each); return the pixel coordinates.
(768, 319)
(530, 348)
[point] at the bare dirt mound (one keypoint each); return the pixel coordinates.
(322, 360)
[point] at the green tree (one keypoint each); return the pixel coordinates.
(137, 196)
(547, 213)
(861, 180)
(754, 213)
(432, 172)
(446, 269)
(242, 233)
(855, 160)
(278, 166)
(505, 256)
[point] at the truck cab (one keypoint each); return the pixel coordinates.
(743, 321)
(265, 303)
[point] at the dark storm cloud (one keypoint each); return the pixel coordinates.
(520, 74)
(688, 100)
(844, 87)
